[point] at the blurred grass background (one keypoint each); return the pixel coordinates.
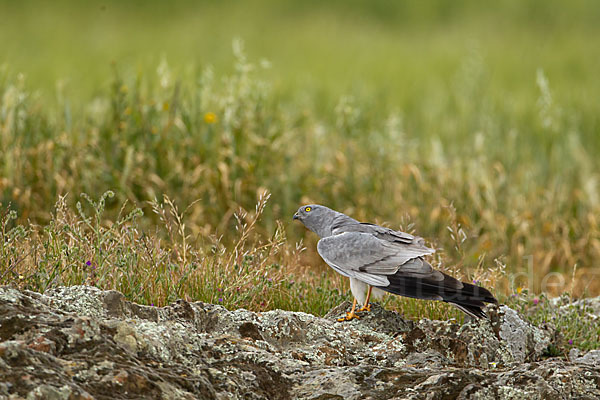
(390, 51)
(475, 126)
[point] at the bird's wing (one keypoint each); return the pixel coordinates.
(364, 256)
(382, 233)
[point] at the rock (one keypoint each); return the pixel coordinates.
(525, 342)
(82, 343)
(592, 357)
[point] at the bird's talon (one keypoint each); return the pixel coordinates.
(365, 308)
(348, 317)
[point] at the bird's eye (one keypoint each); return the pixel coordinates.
(307, 209)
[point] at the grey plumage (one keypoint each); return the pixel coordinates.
(386, 259)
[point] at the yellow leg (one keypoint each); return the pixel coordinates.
(367, 306)
(350, 315)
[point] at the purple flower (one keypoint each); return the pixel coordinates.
(220, 299)
(151, 304)
(270, 279)
(475, 282)
(570, 341)
(536, 301)
(88, 263)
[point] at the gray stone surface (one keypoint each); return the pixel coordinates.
(592, 357)
(83, 343)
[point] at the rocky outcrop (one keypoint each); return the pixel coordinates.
(82, 343)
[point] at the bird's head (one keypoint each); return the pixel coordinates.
(317, 218)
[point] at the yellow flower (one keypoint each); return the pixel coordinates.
(165, 106)
(210, 117)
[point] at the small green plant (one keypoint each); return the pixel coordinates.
(574, 319)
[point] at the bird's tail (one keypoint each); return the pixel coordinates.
(468, 298)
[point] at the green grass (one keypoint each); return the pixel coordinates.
(158, 267)
(475, 127)
(254, 272)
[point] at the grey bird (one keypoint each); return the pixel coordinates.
(378, 260)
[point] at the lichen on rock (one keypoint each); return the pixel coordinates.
(82, 343)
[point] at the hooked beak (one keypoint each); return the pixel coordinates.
(296, 216)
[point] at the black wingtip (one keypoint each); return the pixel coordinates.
(468, 298)
(475, 311)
